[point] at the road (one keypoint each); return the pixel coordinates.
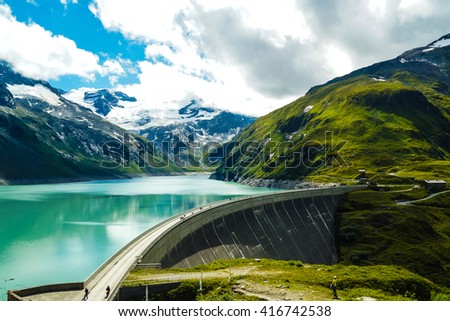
(112, 273)
(422, 199)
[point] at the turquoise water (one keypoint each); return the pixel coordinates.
(64, 232)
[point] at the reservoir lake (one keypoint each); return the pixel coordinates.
(57, 233)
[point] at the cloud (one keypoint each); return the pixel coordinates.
(162, 86)
(374, 30)
(33, 2)
(273, 63)
(174, 49)
(39, 54)
(113, 69)
(66, 2)
(256, 56)
(141, 20)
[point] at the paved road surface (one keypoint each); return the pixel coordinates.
(422, 199)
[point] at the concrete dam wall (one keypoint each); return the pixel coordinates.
(292, 225)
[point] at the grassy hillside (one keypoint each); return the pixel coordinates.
(399, 126)
(387, 251)
(242, 279)
(373, 229)
(389, 118)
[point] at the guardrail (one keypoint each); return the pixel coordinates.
(156, 266)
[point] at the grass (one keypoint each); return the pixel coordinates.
(298, 280)
(212, 290)
(387, 252)
(372, 229)
(399, 126)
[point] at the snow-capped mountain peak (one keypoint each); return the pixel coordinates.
(441, 42)
(193, 121)
(38, 91)
(100, 101)
(194, 110)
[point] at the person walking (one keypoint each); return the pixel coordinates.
(333, 287)
(86, 294)
(108, 289)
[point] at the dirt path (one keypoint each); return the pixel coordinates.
(181, 276)
(266, 292)
(276, 293)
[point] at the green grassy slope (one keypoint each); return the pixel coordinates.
(395, 123)
(372, 229)
(387, 251)
(289, 280)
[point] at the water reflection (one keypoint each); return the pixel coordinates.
(63, 232)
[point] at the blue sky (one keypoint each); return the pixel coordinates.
(75, 21)
(248, 56)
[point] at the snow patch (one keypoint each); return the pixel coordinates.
(378, 79)
(307, 109)
(131, 116)
(77, 96)
(37, 91)
(440, 43)
(426, 61)
(403, 61)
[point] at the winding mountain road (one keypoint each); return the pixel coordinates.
(422, 199)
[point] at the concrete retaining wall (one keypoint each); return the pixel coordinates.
(18, 295)
(137, 293)
(288, 225)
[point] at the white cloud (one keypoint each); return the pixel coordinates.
(141, 20)
(33, 2)
(339, 61)
(180, 68)
(37, 53)
(281, 21)
(162, 86)
(113, 69)
(409, 10)
(378, 7)
(257, 55)
(66, 2)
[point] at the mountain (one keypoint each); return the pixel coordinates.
(194, 130)
(105, 100)
(182, 133)
(47, 138)
(391, 119)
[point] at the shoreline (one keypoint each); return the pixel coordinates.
(278, 183)
(252, 182)
(80, 179)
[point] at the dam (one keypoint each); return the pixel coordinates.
(288, 225)
(292, 225)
